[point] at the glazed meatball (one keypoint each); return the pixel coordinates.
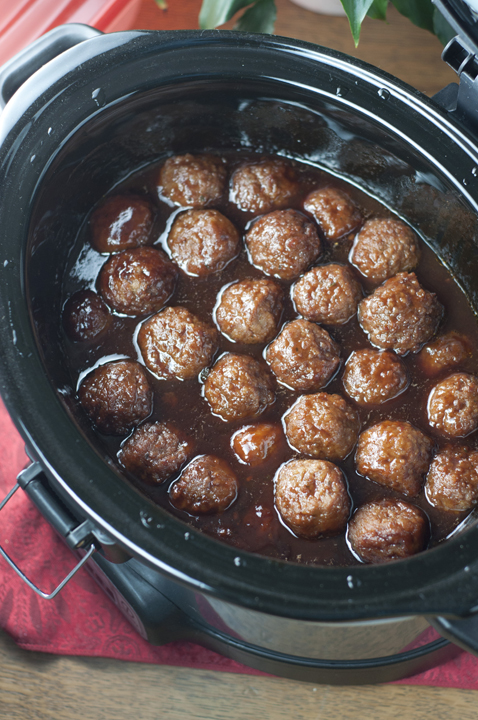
(322, 426)
(121, 223)
(303, 356)
(333, 211)
(154, 452)
(117, 396)
(395, 454)
(371, 377)
(453, 405)
(254, 444)
(85, 316)
(259, 187)
(452, 481)
(202, 242)
(137, 282)
(445, 353)
(193, 180)
(383, 248)
(400, 315)
(238, 387)
(327, 294)
(249, 311)
(176, 344)
(311, 497)
(207, 485)
(387, 530)
(283, 243)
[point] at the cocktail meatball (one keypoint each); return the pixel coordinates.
(203, 242)
(193, 180)
(176, 344)
(303, 356)
(327, 294)
(117, 396)
(383, 248)
(322, 426)
(259, 187)
(85, 316)
(249, 310)
(121, 223)
(372, 377)
(155, 451)
(254, 444)
(334, 212)
(452, 481)
(283, 243)
(445, 353)
(207, 485)
(453, 405)
(400, 315)
(137, 282)
(387, 530)
(395, 454)
(311, 497)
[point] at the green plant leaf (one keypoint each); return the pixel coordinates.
(442, 29)
(378, 10)
(356, 11)
(217, 12)
(420, 12)
(260, 17)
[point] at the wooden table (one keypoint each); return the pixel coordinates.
(34, 686)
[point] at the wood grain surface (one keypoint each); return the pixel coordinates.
(36, 686)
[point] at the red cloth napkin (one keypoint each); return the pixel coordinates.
(81, 620)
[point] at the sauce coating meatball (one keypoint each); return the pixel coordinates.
(176, 344)
(400, 315)
(303, 356)
(445, 353)
(207, 485)
(452, 481)
(395, 454)
(203, 242)
(327, 294)
(85, 316)
(453, 405)
(283, 244)
(387, 530)
(155, 451)
(238, 387)
(121, 223)
(254, 444)
(193, 180)
(383, 248)
(333, 211)
(323, 426)
(249, 311)
(259, 187)
(117, 396)
(371, 377)
(137, 282)
(311, 497)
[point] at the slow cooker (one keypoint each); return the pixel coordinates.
(82, 111)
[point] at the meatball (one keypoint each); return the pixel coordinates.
(176, 344)
(327, 294)
(311, 497)
(283, 243)
(303, 356)
(154, 452)
(238, 387)
(193, 180)
(202, 242)
(453, 405)
(254, 444)
(121, 223)
(207, 485)
(249, 311)
(395, 454)
(322, 426)
(400, 315)
(334, 212)
(383, 248)
(452, 481)
(137, 282)
(445, 353)
(259, 187)
(85, 316)
(371, 377)
(387, 530)
(117, 396)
